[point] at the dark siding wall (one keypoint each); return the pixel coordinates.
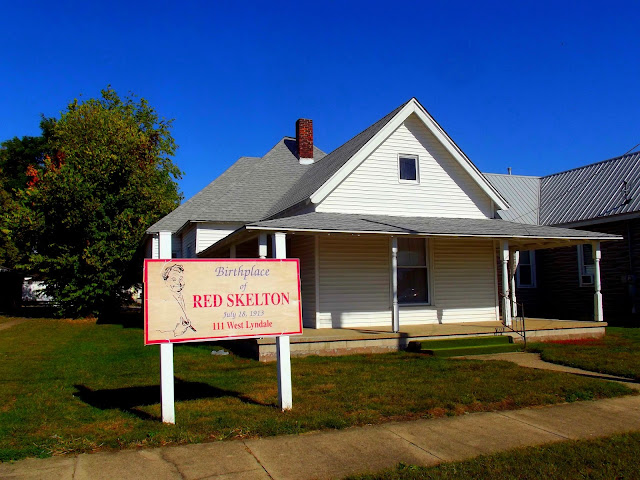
(621, 271)
(559, 295)
(560, 292)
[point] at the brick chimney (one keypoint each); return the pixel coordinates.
(304, 137)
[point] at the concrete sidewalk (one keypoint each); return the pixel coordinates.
(336, 454)
(533, 360)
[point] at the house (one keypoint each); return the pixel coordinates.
(395, 227)
(603, 197)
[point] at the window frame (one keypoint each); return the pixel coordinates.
(532, 265)
(416, 158)
(581, 267)
(427, 268)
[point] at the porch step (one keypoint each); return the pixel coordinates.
(466, 346)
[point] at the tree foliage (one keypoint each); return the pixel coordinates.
(17, 157)
(105, 176)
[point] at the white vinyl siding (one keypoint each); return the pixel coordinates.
(303, 248)
(355, 279)
(189, 242)
(210, 233)
(176, 246)
(464, 281)
(444, 190)
(152, 247)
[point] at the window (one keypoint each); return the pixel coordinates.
(526, 273)
(413, 278)
(586, 266)
(408, 168)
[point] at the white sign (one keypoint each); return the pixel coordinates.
(190, 300)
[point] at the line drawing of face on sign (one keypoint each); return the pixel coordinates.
(173, 276)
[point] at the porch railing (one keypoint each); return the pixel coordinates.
(517, 323)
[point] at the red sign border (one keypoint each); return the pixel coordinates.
(214, 260)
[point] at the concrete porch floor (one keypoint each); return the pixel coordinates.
(345, 341)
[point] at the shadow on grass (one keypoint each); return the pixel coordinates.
(128, 317)
(128, 399)
(33, 311)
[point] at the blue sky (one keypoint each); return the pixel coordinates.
(539, 86)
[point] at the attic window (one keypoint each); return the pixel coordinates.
(408, 168)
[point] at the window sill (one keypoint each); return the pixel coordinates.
(409, 305)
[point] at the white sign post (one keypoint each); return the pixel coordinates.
(283, 348)
(192, 300)
(167, 401)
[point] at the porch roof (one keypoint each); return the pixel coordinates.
(522, 236)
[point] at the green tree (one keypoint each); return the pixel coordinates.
(17, 157)
(107, 177)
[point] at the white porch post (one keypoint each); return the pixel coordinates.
(394, 285)
(262, 245)
(283, 349)
(515, 260)
(166, 351)
(232, 251)
(597, 298)
(506, 302)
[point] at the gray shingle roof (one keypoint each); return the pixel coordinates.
(593, 191)
(245, 192)
(206, 197)
(256, 188)
(353, 223)
(523, 195)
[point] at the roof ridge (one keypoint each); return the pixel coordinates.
(591, 164)
(193, 200)
(511, 175)
(229, 189)
(391, 114)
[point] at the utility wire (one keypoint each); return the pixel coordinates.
(631, 149)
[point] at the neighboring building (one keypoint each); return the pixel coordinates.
(395, 227)
(603, 197)
(33, 291)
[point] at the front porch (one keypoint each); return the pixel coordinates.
(396, 275)
(345, 341)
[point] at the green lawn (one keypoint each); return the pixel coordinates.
(618, 353)
(608, 458)
(71, 386)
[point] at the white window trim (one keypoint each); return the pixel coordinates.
(534, 282)
(417, 159)
(581, 265)
(429, 263)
